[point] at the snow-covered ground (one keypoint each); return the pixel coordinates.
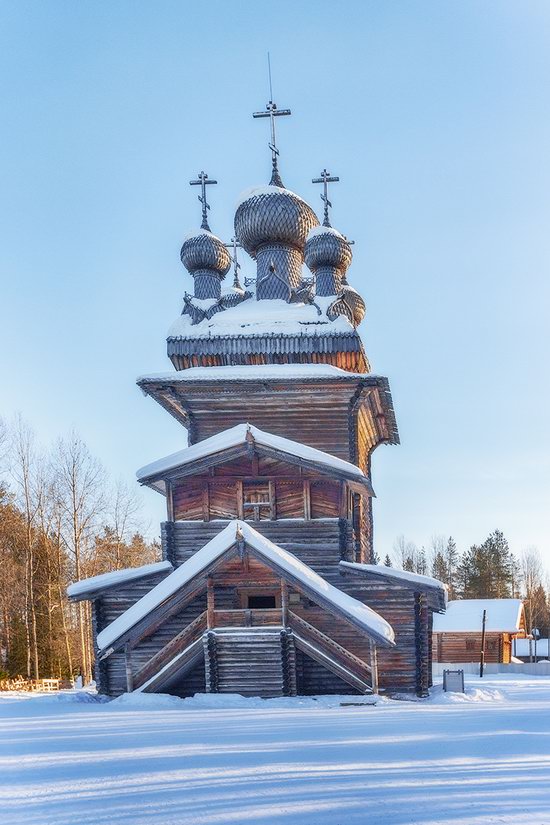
(483, 757)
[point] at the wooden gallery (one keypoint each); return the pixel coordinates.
(266, 585)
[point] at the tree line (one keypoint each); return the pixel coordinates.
(61, 520)
(484, 571)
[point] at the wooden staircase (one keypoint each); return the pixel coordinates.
(330, 654)
(250, 661)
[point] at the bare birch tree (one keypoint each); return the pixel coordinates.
(80, 481)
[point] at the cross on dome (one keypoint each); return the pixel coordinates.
(325, 178)
(234, 245)
(272, 112)
(203, 181)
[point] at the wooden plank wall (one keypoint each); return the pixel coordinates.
(466, 647)
(217, 494)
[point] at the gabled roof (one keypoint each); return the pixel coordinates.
(466, 616)
(436, 590)
(96, 585)
(245, 436)
(286, 565)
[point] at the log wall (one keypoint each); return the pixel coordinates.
(320, 544)
(466, 647)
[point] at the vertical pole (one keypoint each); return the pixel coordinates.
(240, 508)
(482, 652)
(206, 502)
(128, 665)
(272, 500)
(209, 603)
(284, 603)
(307, 499)
(374, 666)
(169, 501)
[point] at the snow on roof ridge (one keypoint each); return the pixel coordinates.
(216, 547)
(255, 372)
(382, 570)
(116, 577)
(236, 435)
(465, 616)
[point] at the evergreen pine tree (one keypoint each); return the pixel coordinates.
(439, 568)
(421, 565)
(451, 559)
(387, 561)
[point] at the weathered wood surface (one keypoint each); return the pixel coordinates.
(247, 661)
(182, 640)
(285, 408)
(466, 647)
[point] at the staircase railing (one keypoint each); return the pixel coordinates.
(178, 644)
(342, 657)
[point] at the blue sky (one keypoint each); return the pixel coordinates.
(436, 117)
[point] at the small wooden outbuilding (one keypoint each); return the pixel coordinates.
(457, 635)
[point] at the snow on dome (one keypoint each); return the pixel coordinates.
(196, 233)
(466, 616)
(269, 189)
(325, 230)
(272, 214)
(354, 610)
(204, 250)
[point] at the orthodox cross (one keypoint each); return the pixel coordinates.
(272, 112)
(203, 181)
(325, 179)
(234, 245)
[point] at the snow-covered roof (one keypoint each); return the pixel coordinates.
(435, 591)
(392, 573)
(239, 435)
(254, 372)
(251, 317)
(466, 616)
(116, 578)
(353, 610)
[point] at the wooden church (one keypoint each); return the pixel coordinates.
(266, 585)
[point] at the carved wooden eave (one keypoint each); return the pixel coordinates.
(341, 349)
(189, 400)
(250, 446)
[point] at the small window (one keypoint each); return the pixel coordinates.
(471, 644)
(257, 502)
(261, 602)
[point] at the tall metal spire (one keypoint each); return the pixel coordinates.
(234, 245)
(272, 112)
(203, 181)
(325, 179)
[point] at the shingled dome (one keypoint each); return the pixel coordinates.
(325, 246)
(203, 250)
(268, 214)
